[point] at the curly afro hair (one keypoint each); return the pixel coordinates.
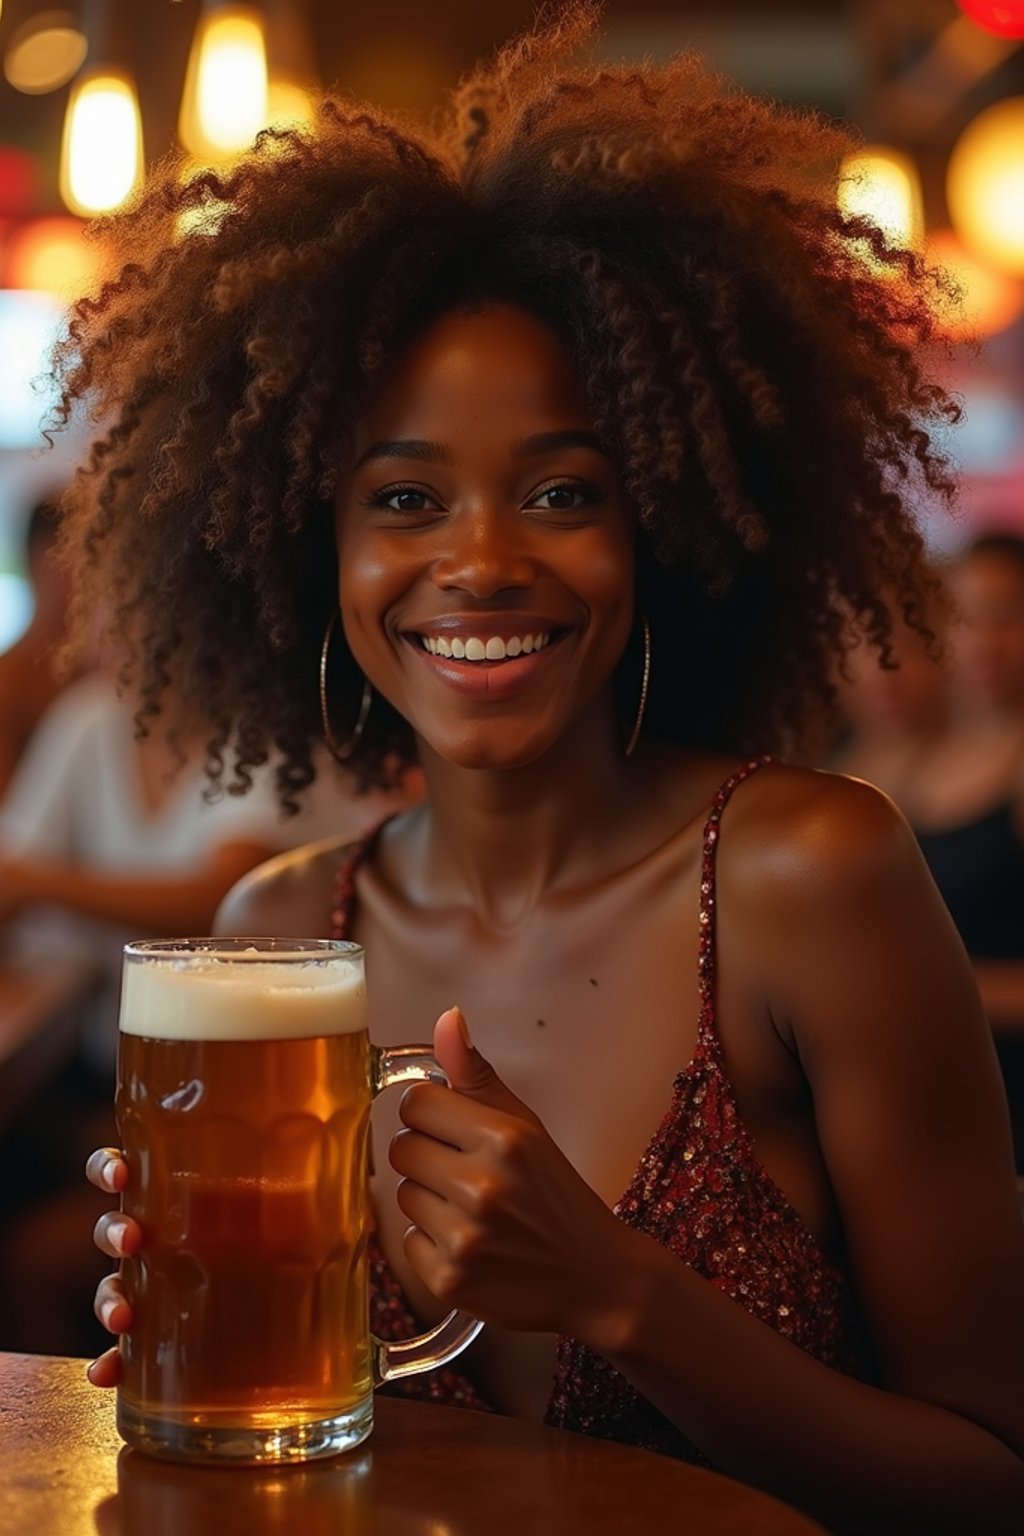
(753, 360)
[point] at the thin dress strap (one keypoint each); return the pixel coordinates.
(707, 1033)
(356, 854)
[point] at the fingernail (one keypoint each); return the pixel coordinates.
(107, 1312)
(460, 1019)
(116, 1231)
(107, 1174)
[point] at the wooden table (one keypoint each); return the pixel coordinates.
(424, 1472)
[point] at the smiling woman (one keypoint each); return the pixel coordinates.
(589, 419)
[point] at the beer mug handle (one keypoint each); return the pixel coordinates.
(415, 1064)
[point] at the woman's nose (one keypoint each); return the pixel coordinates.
(486, 553)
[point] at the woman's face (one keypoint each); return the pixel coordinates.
(988, 630)
(485, 542)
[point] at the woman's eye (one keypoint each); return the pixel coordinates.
(564, 497)
(403, 499)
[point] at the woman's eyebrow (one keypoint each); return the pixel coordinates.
(406, 448)
(549, 442)
(437, 453)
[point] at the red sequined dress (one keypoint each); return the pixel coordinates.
(701, 1192)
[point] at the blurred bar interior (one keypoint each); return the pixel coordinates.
(93, 91)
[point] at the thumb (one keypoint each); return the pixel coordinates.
(467, 1071)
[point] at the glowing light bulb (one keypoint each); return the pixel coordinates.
(101, 157)
(224, 104)
(882, 185)
(985, 185)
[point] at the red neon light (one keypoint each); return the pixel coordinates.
(1003, 17)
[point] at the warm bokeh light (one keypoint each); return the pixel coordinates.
(989, 300)
(985, 185)
(53, 256)
(101, 157)
(1003, 17)
(45, 53)
(882, 184)
(19, 181)
(224, 104)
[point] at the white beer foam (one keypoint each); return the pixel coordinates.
(201, 997)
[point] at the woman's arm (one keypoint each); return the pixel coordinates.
(863, 967)
(874, 986)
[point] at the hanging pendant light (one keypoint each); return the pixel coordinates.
(101, 161)
(224, 104)
(101, 156)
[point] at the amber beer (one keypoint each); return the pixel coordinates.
(245, 1079)
(243, 1102)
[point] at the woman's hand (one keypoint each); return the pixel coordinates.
(118, 1236)
(502, 1224)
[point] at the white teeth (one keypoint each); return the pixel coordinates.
(493, 649)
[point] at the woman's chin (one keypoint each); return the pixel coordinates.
(489, 752)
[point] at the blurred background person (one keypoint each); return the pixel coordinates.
(29, 677)
(969, 811)
(893, 716)
(973, 837)
(105, 838)
(946, 741)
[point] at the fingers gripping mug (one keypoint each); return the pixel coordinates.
(245, 1079)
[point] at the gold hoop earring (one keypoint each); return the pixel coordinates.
(340, 753)
(644, 685)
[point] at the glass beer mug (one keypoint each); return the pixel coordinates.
(245, 1079)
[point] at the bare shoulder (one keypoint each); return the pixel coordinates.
(289, 896)
(827, 885)
(823, 834)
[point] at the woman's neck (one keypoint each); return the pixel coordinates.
(500, 840)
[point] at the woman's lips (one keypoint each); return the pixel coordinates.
(493, 679)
